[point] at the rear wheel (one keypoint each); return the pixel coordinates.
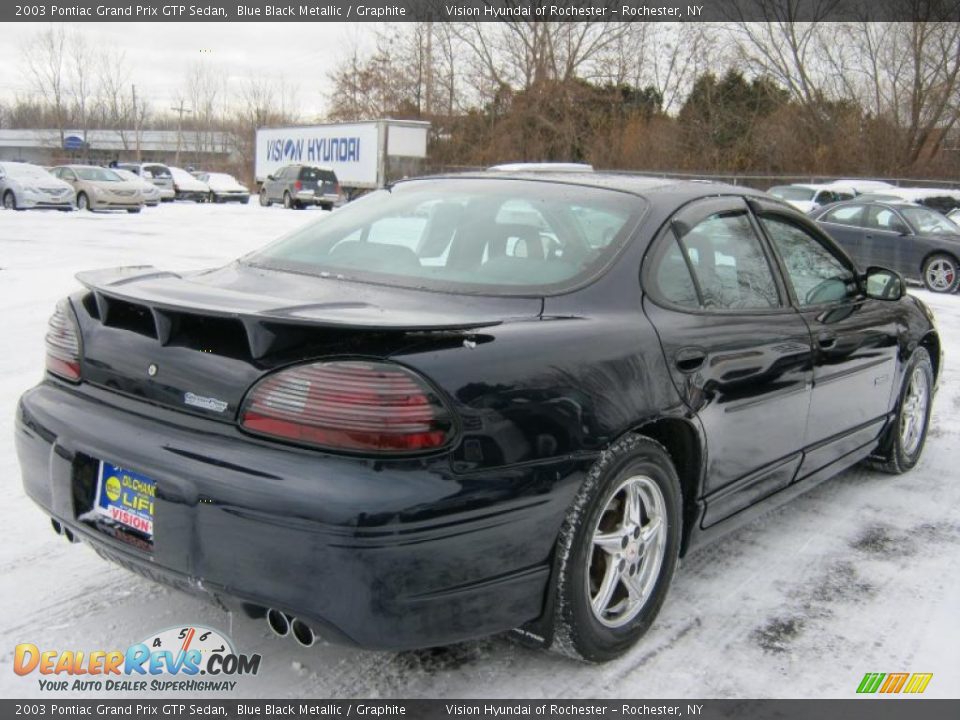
(940, 273)
(9, 200)
(133, 211)
(287, 201)
(617, 551)
(83, 202)
(904, 439)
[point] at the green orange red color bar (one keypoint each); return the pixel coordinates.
(889, 683)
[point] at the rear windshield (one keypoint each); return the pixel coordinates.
(158, 171)
(311, 173)
(465, 235)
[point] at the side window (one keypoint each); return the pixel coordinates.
(881, 218)
(846, 215)
(817, 275)
(671, 276)
(729, 265)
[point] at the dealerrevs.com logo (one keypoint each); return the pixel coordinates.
(189, 659)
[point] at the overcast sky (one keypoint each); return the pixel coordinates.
(160, 53)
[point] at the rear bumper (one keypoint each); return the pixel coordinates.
(390, 555)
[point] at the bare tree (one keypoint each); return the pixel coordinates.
(45, 56)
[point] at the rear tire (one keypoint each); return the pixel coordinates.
(617, 551)
(287, 201)
(941, 273)
(133, 211)
(902, 443)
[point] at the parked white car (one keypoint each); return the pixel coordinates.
(806, 197)
(224, 187)
(24, 186)
(861, 186)
(187, 187)
(151, 193)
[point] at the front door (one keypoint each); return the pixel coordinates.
(855, 341)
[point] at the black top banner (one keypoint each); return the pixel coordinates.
(482, 10)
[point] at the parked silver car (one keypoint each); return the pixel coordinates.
(100, 188)
(24, 186)
(151, 193)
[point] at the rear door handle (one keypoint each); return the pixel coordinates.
(689, 360)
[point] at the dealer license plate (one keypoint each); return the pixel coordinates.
(126, 498)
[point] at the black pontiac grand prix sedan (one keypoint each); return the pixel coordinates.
(473, 404)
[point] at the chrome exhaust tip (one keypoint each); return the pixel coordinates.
(57, 527)
(278, 623)
(302, 633)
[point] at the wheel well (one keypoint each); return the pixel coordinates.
(933, 253)
(682, 442)
(931, 341)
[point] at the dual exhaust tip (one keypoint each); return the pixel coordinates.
(61, 529)
(282, 625)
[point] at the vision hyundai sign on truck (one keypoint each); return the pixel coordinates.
(364, 155)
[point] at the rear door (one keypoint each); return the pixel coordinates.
(888, 242)
(739, 355)
(855, 340)
(845, 225)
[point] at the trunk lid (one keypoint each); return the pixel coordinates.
(196, 342)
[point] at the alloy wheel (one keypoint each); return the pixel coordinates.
(913, 414)
(940, 274)
(629, 543)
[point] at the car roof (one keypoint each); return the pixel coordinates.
(640, 185)
(896, 204)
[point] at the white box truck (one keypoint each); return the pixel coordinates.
(364, 155)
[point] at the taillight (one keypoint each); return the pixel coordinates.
(336, 189)
(349, 405)
(298, 185)
(63, 344)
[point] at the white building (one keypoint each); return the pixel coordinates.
(44, 147)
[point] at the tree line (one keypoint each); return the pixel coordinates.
(774, 96)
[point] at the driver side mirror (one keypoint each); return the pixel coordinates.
(883, 284)
(271, 177)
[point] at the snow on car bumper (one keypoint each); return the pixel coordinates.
(390, 555)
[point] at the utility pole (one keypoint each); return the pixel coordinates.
(180, 110)
(136, 122)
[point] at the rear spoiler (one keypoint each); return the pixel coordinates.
(270, 323)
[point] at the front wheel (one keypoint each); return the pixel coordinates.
(903, 441)
(940, 273)
(9, 200)
(264, 200)
(83, 202)
(617, 551)
(133, 211)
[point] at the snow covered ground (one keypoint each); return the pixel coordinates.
(860, 575)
